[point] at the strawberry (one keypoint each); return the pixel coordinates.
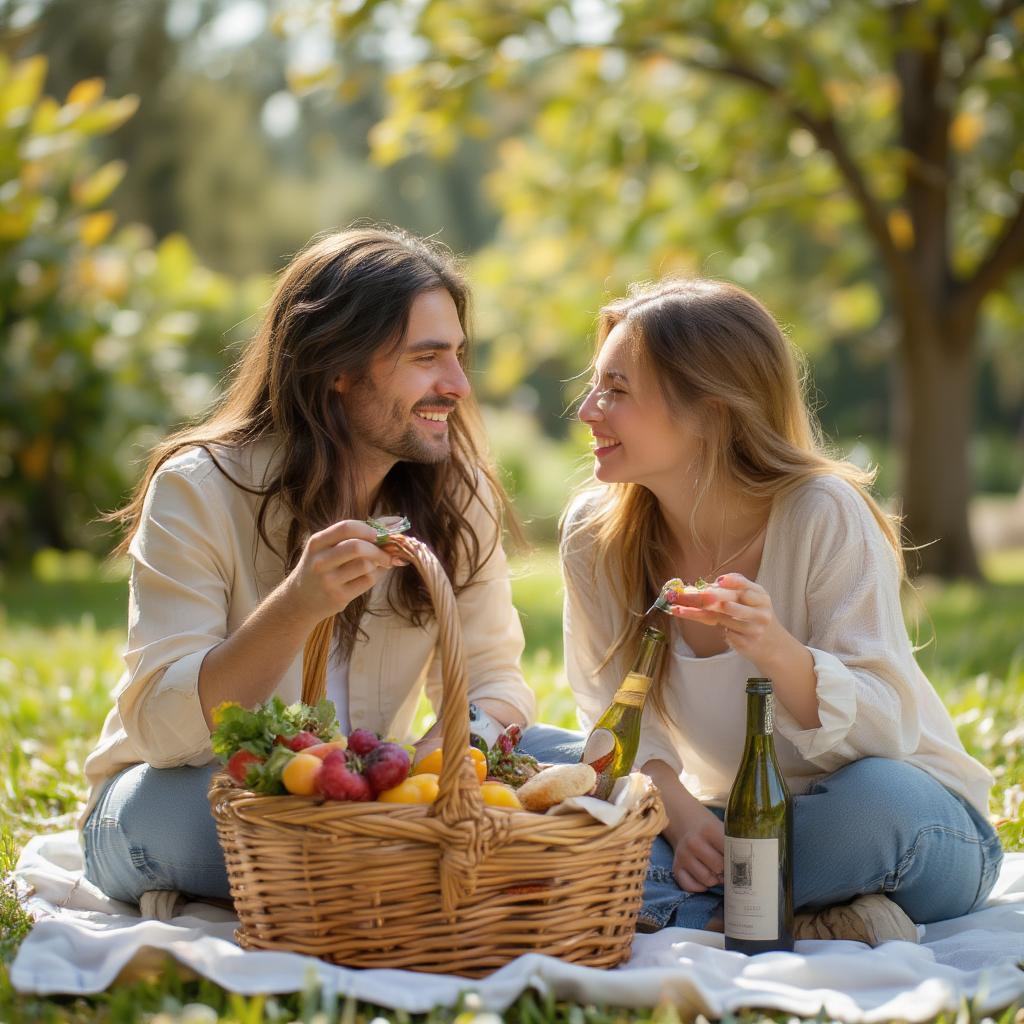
(239, 764)
(337, 781)
(299, 741)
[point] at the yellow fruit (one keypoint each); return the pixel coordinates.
(431, 763)
(428, 784)
(408, 792)
(434, 762)
(321, 750)
(299, 775)
(497, 794)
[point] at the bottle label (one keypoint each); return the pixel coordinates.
(633, 690)
(751, 888)
(600, 750)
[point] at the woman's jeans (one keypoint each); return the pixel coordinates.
(873, 826)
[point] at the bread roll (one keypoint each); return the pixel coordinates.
(555, 784)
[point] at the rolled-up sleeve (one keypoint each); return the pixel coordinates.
(180, 582)
(863, 661)
(491, 631)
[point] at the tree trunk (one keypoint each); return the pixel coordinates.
(937, 387)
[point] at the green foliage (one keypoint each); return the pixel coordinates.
(110, 339)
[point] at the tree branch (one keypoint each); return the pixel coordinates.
(1006, 255)
(826, 133)
(971, 60)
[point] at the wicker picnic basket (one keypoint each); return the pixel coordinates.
(455, 887)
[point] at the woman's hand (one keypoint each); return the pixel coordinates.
(337, 565)
(699, 861)
(746, 615)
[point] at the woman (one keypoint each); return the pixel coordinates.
(709, 467)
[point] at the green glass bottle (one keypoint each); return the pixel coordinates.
(759, 839)
(612, 744)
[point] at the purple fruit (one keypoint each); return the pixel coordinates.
(337, 781)
(386, 766)
(362, 741)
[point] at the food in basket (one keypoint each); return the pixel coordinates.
(555, 784)
(239, 764)
(338, 780)
(299, 775)
(300, 741)
(385, 766)
(497, 794)
(506, 764)
(433, 762)
(321, 750)
(362, 741)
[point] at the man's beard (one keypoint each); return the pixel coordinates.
(393, 432)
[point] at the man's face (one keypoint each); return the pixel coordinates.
(398, 411)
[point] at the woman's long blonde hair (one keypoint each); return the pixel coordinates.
(714, 349)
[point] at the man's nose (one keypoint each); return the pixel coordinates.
(455, 383)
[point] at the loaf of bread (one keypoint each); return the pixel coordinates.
(555, 784)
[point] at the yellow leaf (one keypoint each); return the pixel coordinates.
(94, 189)
(86, 93)
(965, 131)
(23, 85)
(95, 227)
(901, 229)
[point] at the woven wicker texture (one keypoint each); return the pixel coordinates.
(455, 887)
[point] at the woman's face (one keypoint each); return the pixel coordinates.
(638, 437)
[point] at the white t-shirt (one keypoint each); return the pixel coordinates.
(834, 584)
(337, 688)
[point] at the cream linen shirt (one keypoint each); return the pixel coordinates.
(834, 584)
(199, 569)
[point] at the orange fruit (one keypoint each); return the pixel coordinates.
(299, 775)
(321, 750)
(497, 794)
(434, 762)
(427, 782)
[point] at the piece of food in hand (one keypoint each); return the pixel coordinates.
(385, 766)
(362, 741)
(555, 784)
(337, 781)
(507, 764)
(300, 774)
(239, 764)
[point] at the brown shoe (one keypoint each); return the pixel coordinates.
(872, 919)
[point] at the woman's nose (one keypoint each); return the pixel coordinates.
(590, 408)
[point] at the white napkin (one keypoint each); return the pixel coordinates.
(625, 795)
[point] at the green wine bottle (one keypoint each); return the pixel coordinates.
(612, 744)
(759, 839)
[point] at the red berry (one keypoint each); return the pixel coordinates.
(386, 766)
(337, 781)
(362, 741)
(239, 764)
(301, 740)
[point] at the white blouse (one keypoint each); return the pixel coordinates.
(834, 584)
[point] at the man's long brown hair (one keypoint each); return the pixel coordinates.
(345, 297)
(713, 348)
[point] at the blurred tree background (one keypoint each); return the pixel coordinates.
(859, 167)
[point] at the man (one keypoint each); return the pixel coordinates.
(248, 530)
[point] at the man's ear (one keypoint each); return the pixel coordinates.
(342, 383)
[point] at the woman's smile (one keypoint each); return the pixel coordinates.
(604, 445)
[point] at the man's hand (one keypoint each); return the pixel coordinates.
(337, 565)
(699, 861)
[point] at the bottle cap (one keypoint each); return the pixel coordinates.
(759, 685)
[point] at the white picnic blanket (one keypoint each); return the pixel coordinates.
(82, 941)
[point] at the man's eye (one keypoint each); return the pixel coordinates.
(430, 357)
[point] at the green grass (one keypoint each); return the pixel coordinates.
(61, 633)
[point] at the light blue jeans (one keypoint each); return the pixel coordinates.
(875, 825)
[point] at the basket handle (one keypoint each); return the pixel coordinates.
(458, 788)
